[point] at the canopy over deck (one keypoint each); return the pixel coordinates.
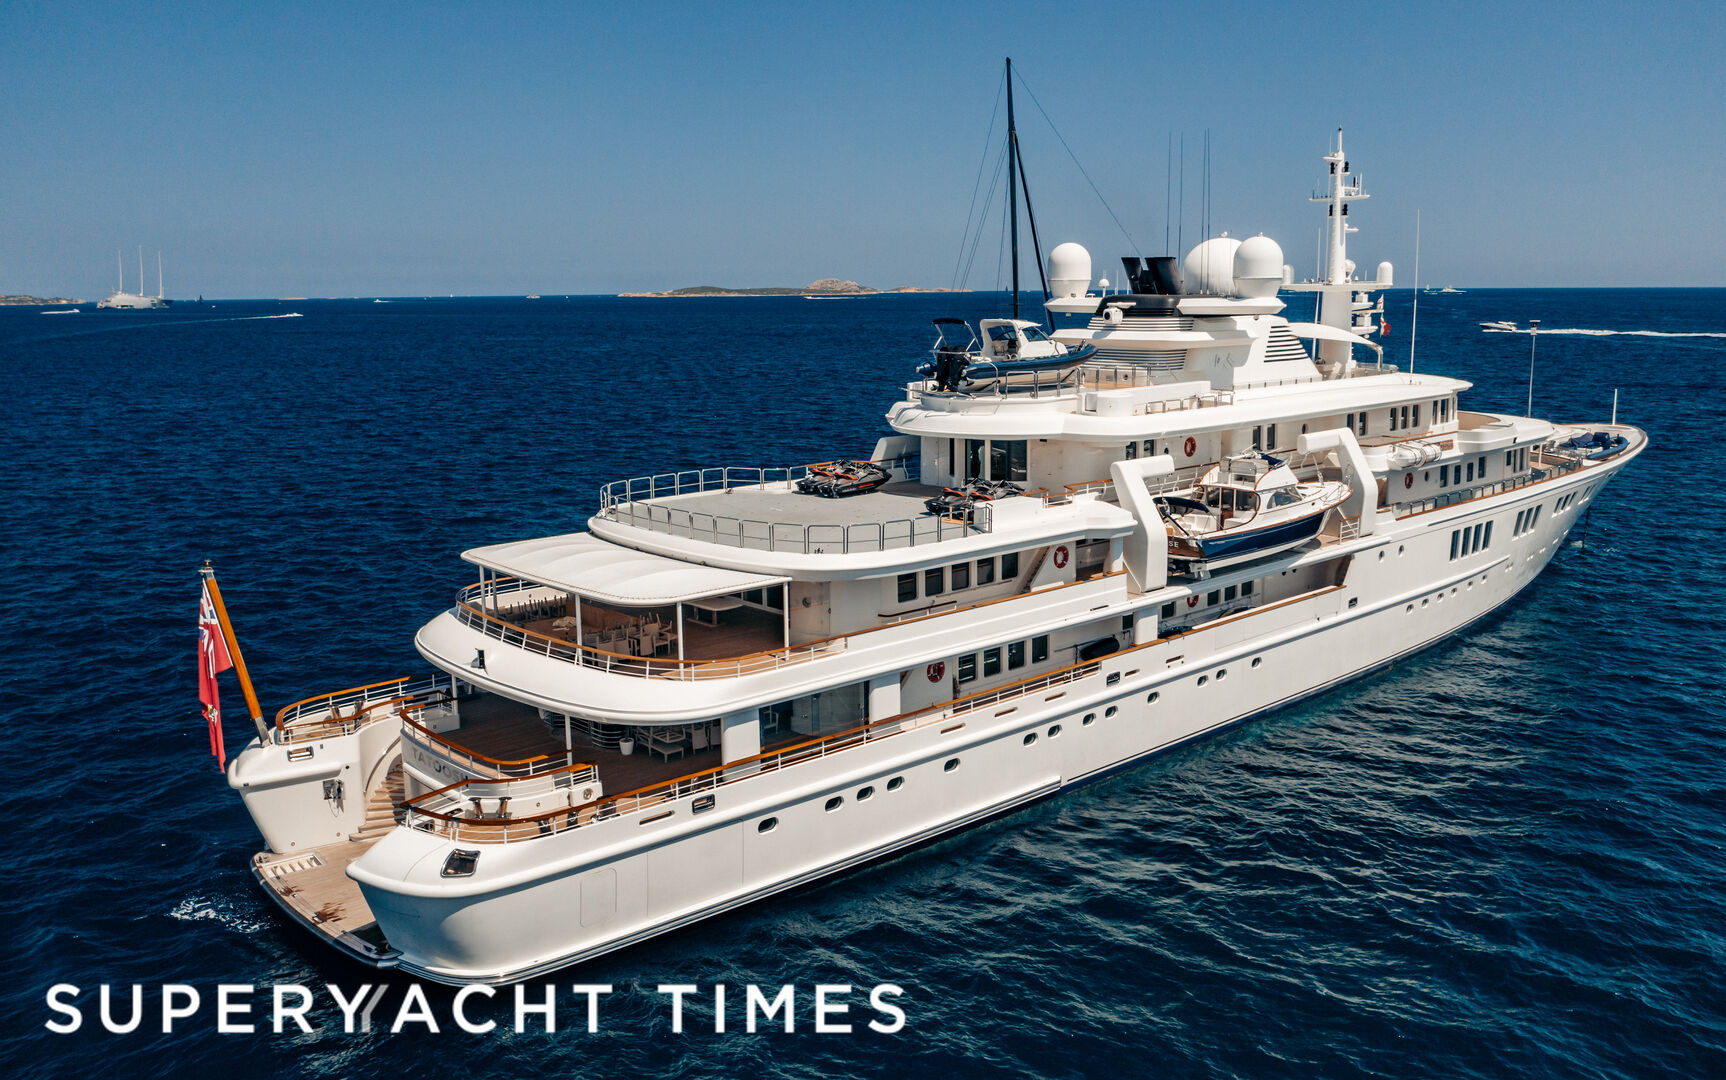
(598, 570)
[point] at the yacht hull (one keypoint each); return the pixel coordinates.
(552, 901)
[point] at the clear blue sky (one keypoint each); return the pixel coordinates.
(375, 149)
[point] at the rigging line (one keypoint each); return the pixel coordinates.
(1036, 246)
(1001, 250)
(982, 218)
(1134, 244)
(1168, 191)
(982, 161)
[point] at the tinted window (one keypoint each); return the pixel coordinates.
(992, 661)
(1010, 566)
(907, 587)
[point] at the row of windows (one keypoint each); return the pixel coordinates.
(1399, 418)
(1015, 655)
(1475, 468)
(1564, 503)
(1525, 521)
(1215, 596)
(1467, 541)
(1516, 461)
(1407, 422)
(938, 580)
(864, 794)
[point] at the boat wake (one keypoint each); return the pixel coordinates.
(1608, 333)
(225, 912)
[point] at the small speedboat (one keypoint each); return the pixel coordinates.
(961, 503)
(837, 479)
(1009, 353)
(1246, 508)
(1501, 326)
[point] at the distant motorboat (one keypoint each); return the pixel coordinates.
(62, 311)
(1448, 289)
(533, 296)
(1500, 326)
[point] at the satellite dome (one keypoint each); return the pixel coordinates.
(1069, 270)
(1209, 269)
(1385, 273)
(1258, 267)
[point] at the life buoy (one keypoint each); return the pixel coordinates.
(936, 670)
(1192, 446)
(1408, 480)
(1192, 601)
(1060, 556)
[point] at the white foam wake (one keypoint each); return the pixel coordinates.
(195, 908)
(1608, 333)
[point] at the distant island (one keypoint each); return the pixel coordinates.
(36, 300)
(824, 287)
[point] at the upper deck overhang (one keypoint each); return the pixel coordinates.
(599, 570)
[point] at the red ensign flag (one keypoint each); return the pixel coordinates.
(212, 659)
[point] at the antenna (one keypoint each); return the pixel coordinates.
(120, 265)
(158, 275)
(140, 269)
(1181, 227)
(1168, 192)
(1414, 320)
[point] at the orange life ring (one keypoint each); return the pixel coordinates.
(1192, 601)
(1408, 480)
(1191, 446)
(936, 670)
(1060, 556)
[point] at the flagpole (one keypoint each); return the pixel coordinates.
(209, 576)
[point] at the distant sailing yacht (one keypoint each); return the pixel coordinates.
(136, 301)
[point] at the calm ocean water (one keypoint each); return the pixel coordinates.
(1504, 857)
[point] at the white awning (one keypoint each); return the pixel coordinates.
(598, 570)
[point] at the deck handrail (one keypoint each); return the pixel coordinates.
(317, 717)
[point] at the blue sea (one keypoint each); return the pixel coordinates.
(1505, 857)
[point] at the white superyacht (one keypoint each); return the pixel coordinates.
(1063, 561)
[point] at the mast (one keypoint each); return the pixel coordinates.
(120, 266)
(158, 275)
(208, 573)
(140, 269)
(1013, 183)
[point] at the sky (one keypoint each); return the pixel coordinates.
(412, 149)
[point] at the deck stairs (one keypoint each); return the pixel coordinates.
(383, 806)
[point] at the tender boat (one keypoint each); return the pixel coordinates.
(1009, 353)
(1248, 507)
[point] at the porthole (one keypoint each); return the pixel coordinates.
(1424, 601)
(1354, 601)
(767, 824)
(1054, 731)
(864, 793)
(1203, 679)
(1091, 717)
(1030, 738)
(1257, 660)
(896, 783)
(1411, 606)
(835, 803)
(1222, 673)
(1151, 698)
(1110, 711)
(952, 763)
(1114, 677)
(1381, 556)
(1399, 549)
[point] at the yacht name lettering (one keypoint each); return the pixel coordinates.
(476, 1009)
